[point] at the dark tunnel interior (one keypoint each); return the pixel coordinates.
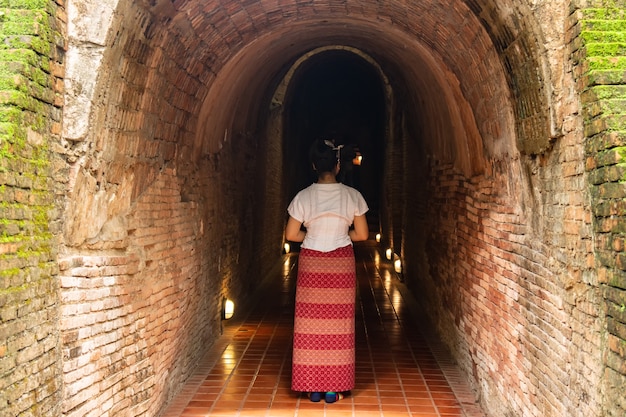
(337, 95)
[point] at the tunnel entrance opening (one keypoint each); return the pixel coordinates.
(337, 94)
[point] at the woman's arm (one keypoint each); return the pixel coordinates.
(361, 230)
(292, 230)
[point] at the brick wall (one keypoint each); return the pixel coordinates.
(30, 78)
(598, 48)
(155, 235)
(508, 286)
(507, 294)
(530, 296)
(135, 323)
(504, 263)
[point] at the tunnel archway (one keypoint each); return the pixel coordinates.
(335, 93)
(178, 176)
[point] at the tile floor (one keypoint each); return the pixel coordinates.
(400, 371)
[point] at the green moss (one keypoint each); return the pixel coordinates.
(604, 92)
(606, 77)
(25, 96)
(25, 4)
(604, 13)
(612, 106)
(25, 22)
(606, 49)
(9, 272)
(13, 60)
(608, 25)
(592, 36)
(22, 100)
(607, 63)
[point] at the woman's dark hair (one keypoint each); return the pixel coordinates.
(323, 156)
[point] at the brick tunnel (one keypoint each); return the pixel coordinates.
(184, 131)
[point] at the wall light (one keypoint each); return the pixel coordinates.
(378, 237)
(389, 254)
(228, 309)
(397, 266)
(287, 248)
(357, 159)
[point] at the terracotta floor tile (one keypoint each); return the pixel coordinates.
(420, 402)
(422, 408)
(196, 411)
(221, 404)
(337, 412)
(309, 413)
(391, 394)
(366, 413)
(399, 373)
(365, 399)
(393, 407)
(366, 407)
(281, 412)
(253, 413)
(255, 405)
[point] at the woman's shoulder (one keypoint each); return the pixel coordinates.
(350, 189)
(306, 191)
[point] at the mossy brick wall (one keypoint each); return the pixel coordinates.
(30, 108)
(599, 48)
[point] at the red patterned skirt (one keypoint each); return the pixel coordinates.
(323, 346)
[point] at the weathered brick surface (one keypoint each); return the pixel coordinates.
(155, 236)
(511, 298)
(600, 49)
(506, 265)
(134, 324)
(172, 201)
(30, 58)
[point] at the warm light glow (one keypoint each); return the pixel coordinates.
(376, 258)
(287, 248)
(397, 266)
(229, 358)
(389, 253)
(229, 309)
(357, 159)
(378, 237)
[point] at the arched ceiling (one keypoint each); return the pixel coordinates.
(160, 79)
(225, 44)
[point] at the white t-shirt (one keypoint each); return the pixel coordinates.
(327, 211)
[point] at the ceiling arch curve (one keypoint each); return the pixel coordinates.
(179, 78)
(201, 39)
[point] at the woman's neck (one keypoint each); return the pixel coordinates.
(327, 178)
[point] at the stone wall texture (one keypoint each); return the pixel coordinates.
(146, 163)
(31, 93)
(599, 49)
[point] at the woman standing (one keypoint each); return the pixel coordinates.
(323, 347)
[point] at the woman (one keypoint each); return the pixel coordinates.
(323, 347)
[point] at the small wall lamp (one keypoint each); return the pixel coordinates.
(378, 237)
(287, 248)
(397, 266)
(389, 254)
(228, 309)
